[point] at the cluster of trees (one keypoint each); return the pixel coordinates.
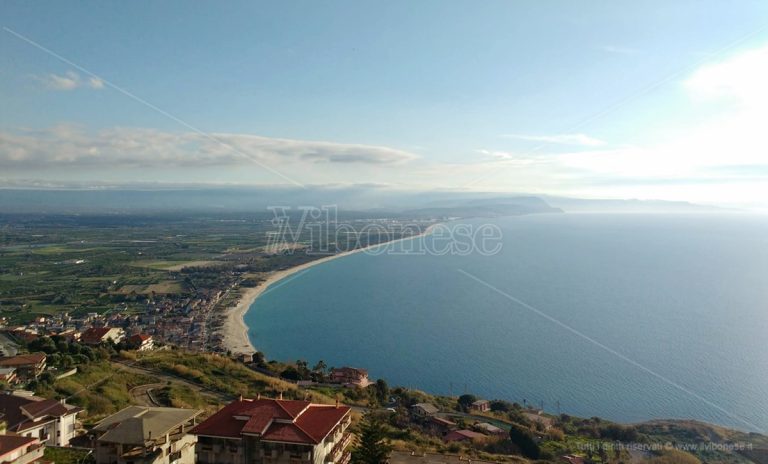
(301, 371)
(64, 354)
(376, 394)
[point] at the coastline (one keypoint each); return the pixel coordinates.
(234, 331)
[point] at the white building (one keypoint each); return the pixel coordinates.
(50, 421)
(142, 435)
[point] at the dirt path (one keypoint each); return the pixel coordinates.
(143, 394)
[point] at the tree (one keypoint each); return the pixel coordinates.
(291, 373)
(44, 344)
(382, 391)
(302, 369)
(372, 446)
(501, 406)
(318, 372)
(320, 366)
(465, 401)
(523, 439)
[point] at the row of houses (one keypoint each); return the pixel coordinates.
(264, 430)
(427, 415)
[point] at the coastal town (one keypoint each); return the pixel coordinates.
(135, 351)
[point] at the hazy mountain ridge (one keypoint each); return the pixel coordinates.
(349, 198)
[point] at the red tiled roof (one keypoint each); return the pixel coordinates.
(140, 337)
(350, 371)
(15, 411)
(274, 420)
(23, 360)
(459, 435)
(37, 409)
(10, 443)
(94, 334)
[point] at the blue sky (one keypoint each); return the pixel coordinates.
(600, 99)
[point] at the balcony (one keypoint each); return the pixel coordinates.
(338, 449)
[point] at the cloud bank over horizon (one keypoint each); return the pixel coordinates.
(72, 146)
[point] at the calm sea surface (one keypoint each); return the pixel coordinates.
(628, 317)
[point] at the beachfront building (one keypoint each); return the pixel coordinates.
(350, 376)
(274, 431)
(142, 435)
(52, 422)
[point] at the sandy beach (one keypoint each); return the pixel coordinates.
(235, 332)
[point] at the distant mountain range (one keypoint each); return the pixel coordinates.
(372, 200)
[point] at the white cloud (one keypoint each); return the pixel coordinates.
(741, 78)
(620, 50)
(721, 156)
(69, 81)
(560, 139)
(67, 145)
(96, 83)
(734, 135)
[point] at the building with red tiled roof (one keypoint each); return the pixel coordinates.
(462, 435)
(351, 376)
(27, 366)
(15, 449)
(274, 432)
(99, 335)
(52, 422)
(142, 342)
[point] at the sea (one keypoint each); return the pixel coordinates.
(628, 317)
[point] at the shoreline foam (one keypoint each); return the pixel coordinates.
(234, 330)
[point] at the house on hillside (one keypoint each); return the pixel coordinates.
(8, 375)
(26, 366)
(350, 376)
(50, 421)
(275, 431)
(462, 435)
(143, 435)
(20, 450)
(489, 429)
(142, 342)
(440, 426)
(481, 406)
(99, 335)
(424, 410)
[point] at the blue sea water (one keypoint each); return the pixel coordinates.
(624, 316)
